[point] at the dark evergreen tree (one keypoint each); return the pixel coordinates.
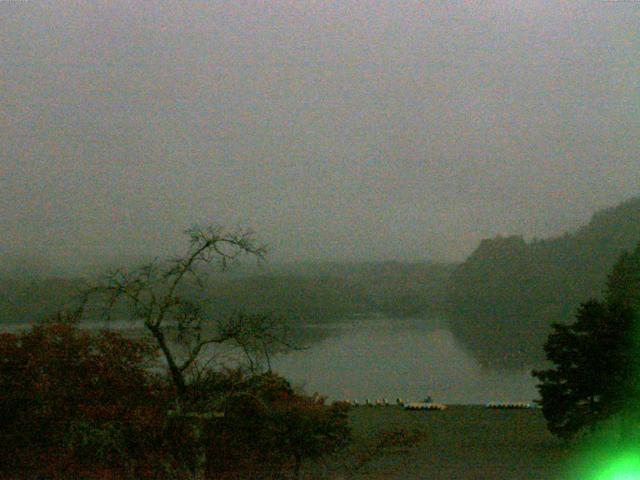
(623, 284)
(595, 359)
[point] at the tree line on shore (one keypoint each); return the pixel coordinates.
(314, 293)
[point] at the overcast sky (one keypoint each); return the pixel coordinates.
(337, 130)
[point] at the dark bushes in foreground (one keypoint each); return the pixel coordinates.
(80, 405)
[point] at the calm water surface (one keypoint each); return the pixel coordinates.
(376, 358)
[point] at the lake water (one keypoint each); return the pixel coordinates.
(389, 358)
(374, 358)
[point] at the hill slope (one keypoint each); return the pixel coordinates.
(503, 298)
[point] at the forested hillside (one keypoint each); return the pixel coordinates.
(332, 291)
(27, 298)
(503, 298)
(309, 292)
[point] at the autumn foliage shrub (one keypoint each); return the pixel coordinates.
(267, 428)
(75, 404)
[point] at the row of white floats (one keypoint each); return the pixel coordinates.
(424, 406)
(400, 403)
(509, 406)
(383, 402)
(429, 405)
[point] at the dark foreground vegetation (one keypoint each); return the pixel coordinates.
(81, 405)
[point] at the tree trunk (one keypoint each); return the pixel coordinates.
(297, 469)
(176, 374)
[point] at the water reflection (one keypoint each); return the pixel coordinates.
(391, 358)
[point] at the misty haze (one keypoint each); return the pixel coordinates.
(434, 184)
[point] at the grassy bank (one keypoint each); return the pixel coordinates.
(462, 442)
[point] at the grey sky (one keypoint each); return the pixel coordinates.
(347, 129)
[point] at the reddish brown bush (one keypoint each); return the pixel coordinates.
(267, 428)
(81, 405)
(76, 404)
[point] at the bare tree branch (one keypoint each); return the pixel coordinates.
(156, 294)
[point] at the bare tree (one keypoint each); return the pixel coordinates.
(162, 297)
(259, 336)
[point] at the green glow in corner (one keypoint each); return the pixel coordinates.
(622, 466)
(611, 451)
(625, 468)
